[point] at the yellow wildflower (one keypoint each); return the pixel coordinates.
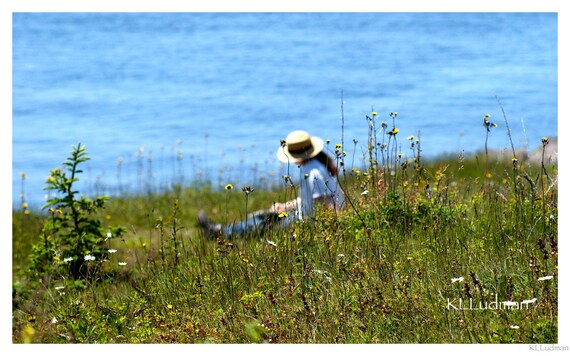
(394, 131)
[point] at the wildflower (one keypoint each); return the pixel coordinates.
(306, 175)
(59, 287)
(169, 306)
(247, 190)
(109, 235)
(458, 279)
(394, 131)
(22, 175)
(410, 138)
(514, 326)
(384, 125)
(24, 205)
(328, 141)
(229, 187)
(68, 259)
(488, 124)
(394, 114)
(122, 263)
(399, 155)
(112, 250)
(26, 212)
(515, 160)
(54, 320)
(489, 175)
(364, 192)
(283, 214)
(89, 258)
(545, 141)
(374, 113)
(545, 278)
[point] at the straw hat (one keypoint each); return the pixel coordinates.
(299, 146)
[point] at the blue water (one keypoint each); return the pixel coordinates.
(182, 97)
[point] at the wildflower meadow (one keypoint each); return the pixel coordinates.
(452, 250)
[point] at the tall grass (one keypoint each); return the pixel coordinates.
(440, 251)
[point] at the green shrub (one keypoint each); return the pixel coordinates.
(71, 237)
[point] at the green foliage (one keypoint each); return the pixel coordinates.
(71, 237)
(413, 237)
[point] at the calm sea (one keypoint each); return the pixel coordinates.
(162, 98)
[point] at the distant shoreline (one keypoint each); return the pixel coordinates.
(534, 156)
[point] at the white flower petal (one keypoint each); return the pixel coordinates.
(545, 278)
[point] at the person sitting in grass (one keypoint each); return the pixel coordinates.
(319, 185)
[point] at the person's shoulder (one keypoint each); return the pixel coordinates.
(315, 164)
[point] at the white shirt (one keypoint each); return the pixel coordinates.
(317, 182)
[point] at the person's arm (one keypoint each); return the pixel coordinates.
(289, 206)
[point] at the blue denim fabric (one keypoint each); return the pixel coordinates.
(256, 224)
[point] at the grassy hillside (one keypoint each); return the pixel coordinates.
(452, 250)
